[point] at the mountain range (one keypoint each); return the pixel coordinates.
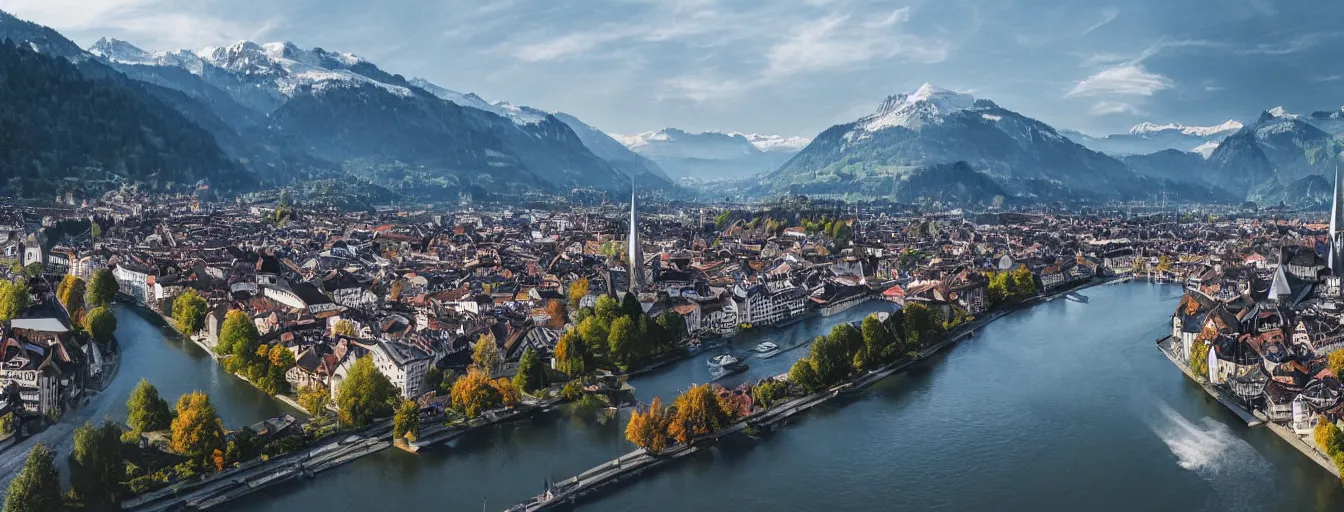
(712, 156)
(252, 116)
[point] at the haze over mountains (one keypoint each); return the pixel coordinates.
(251, 116)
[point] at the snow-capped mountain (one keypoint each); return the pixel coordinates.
(931, 128)
(518, 114)
(713, 155)
(1145, 138)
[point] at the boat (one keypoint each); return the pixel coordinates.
(722, 360)
(729, 369)
(766, 347)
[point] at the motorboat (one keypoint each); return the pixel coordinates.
(722, 360)
(728, 369)
(766, 347)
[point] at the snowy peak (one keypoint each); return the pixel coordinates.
(1279, 112)
(1197, 131)
(521, 115)
(760, 142)
(772, 143)
(120, 51)
(927, 104)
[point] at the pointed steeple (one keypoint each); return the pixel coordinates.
(636, 253)
(1333, 258)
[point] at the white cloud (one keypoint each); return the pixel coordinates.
(897, 16)
(151, 24)
(1108, 15)
(1129, 79)
(701, 89)
(1107, 108)
(833, 41)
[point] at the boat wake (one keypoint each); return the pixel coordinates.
(1211, 450)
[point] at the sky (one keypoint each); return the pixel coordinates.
(790, 67)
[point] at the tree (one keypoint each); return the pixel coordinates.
(485, 355)
(624, 343)
(923, 325)
(397, 287)
(630, 306)
(101, 324)
(1163, 263)
(71, 293)
(344, 328)
(365, 394)
(1336, 362)
(572, 355)
(238, 335)
(197, 429)
(14, 299)
(1023, 283)
(314, 400)
(559, 315)
(831, 358)
(998, 291)
(767, 392)
(97, 466)
(189, 311)
(1328, 436)
(699, 411)
(648, 429)
(606, 308)
(531, 374)
(804, 375)
(596, 333)
(37, 488)
(878, 341)
(102, 288)
(673, 326)
(577, 291)
(473, 393)
(506, 392)
(95, 230)
(147, 412)
(406, 422)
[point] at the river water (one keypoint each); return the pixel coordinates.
(1065, 406)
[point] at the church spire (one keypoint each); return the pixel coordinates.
(1336, 224)
(636, 253)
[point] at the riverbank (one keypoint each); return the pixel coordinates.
(626, 468)
(1304, 444)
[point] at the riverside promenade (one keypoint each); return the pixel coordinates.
(566, 493)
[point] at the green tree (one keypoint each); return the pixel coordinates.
(572, 355)
(365, 394)
(673, 327)
(406, 422)
(485, 355)
(630, 306)
(71, 293)
(923, 325)
(878, 341)
(531, 374)
(624, 343)
(344, 328)
(434, 377)
(197, 429)
(1023, 283)
(606, 309)
(101, 324)
(238, 336)
(998, 291)
(97, 466)
(596, 332)
(804, 375)
(189, 311)
(831, 359)
(37, 488)
(768, 392)
(14, 300)
(147, 412)
(102, 288)
(95, 230)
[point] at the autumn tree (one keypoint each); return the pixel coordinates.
(606, 309)
(473, 393)
(572, 355)
(624, 343)
(365, 394)
(555, 308)
(147, 412)
(71, 294)
(1336, 363)
(577, 291)
(314, 399)
(596, 333)
(648, 429)
(97, 466)
(237, 335)
(102, 288)
(506, 392)
(344, 328)
(1328, 436)
(531, 374)
(101, 324)
(698, 411)
(197, 429)
(37, 487)
(485, 355)
(406, 422)
(14, 300)
(189, 311)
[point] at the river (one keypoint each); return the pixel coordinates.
(1064, 406)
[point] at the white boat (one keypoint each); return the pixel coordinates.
(722, 360)
(766, 347)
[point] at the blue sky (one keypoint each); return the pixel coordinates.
(791, 67)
